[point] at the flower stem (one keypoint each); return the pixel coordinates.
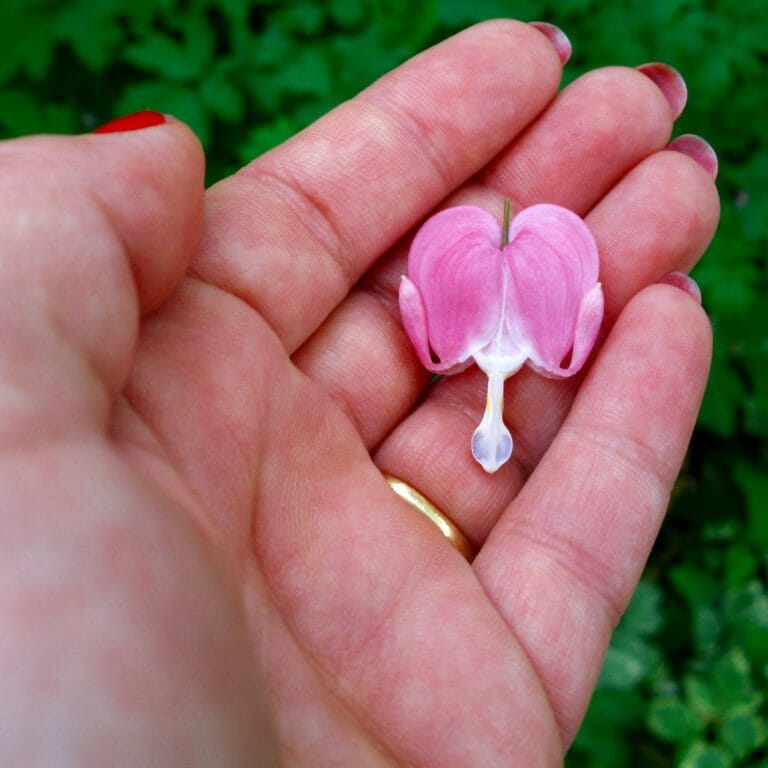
(505, 224)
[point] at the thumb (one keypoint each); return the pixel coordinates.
(96, 230)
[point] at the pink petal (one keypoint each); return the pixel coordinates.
(455, 264)
(554, 264)
(414, 319)
(588, 324)
(415, 323)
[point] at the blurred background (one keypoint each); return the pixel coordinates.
(685, 682)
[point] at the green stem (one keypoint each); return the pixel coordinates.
(505, 224)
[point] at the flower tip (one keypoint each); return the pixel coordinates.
(491, 453)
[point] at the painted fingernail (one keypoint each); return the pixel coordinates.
(670, 83)
(557, 38)
(133, 122)
(684, 283)
(699, 149)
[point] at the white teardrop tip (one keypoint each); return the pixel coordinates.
(491, 450)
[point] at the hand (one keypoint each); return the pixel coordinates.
(201, 561)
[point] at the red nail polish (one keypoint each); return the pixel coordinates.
(698, 149)
(134, 122)
(557, 38)
(670, 83)
(684, 283)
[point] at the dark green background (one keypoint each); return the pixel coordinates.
(685, 680)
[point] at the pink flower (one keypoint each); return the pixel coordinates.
(527, 296)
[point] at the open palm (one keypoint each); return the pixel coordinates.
(202, 562)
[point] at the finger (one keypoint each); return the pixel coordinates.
(592, 134)
(620, 108)
(296, 228)
(636, 255)
(99, 569)
(95, 229)
(430, 448)
(565, 557)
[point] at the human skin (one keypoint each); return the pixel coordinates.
(200, 562)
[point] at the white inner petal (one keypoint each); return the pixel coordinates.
(508, 350)
(503, 356)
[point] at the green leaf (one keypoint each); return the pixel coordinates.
(740, 566)
(629, 660)
(458, 13)
(271, 48)
(671, 720)
(222, 98)
(707, 629)
(602, 737)
(700, 699)
(723, 398)
(21, 113)
(347, 13)
(301, 18)
(643, 615)
(732, 679)
(266, 136)
(306, 72)
(754, 484)
(701, 755)
(93, 29)
(184, 59)
(753, 177)
(162, 55)
(27, 40)
(696, 585)
(743, 733)
(182, 102)
(746, 611)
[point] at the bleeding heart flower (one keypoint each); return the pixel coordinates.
(528, 294)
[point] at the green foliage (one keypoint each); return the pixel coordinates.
(691, 689)
(684, 680)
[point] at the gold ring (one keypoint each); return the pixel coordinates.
(449, 529)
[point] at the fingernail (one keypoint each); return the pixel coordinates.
(699, 149)
(133, 122)
(684, 283)
(557, 38)
(670, 83)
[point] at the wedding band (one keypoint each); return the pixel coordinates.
(449, 529)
